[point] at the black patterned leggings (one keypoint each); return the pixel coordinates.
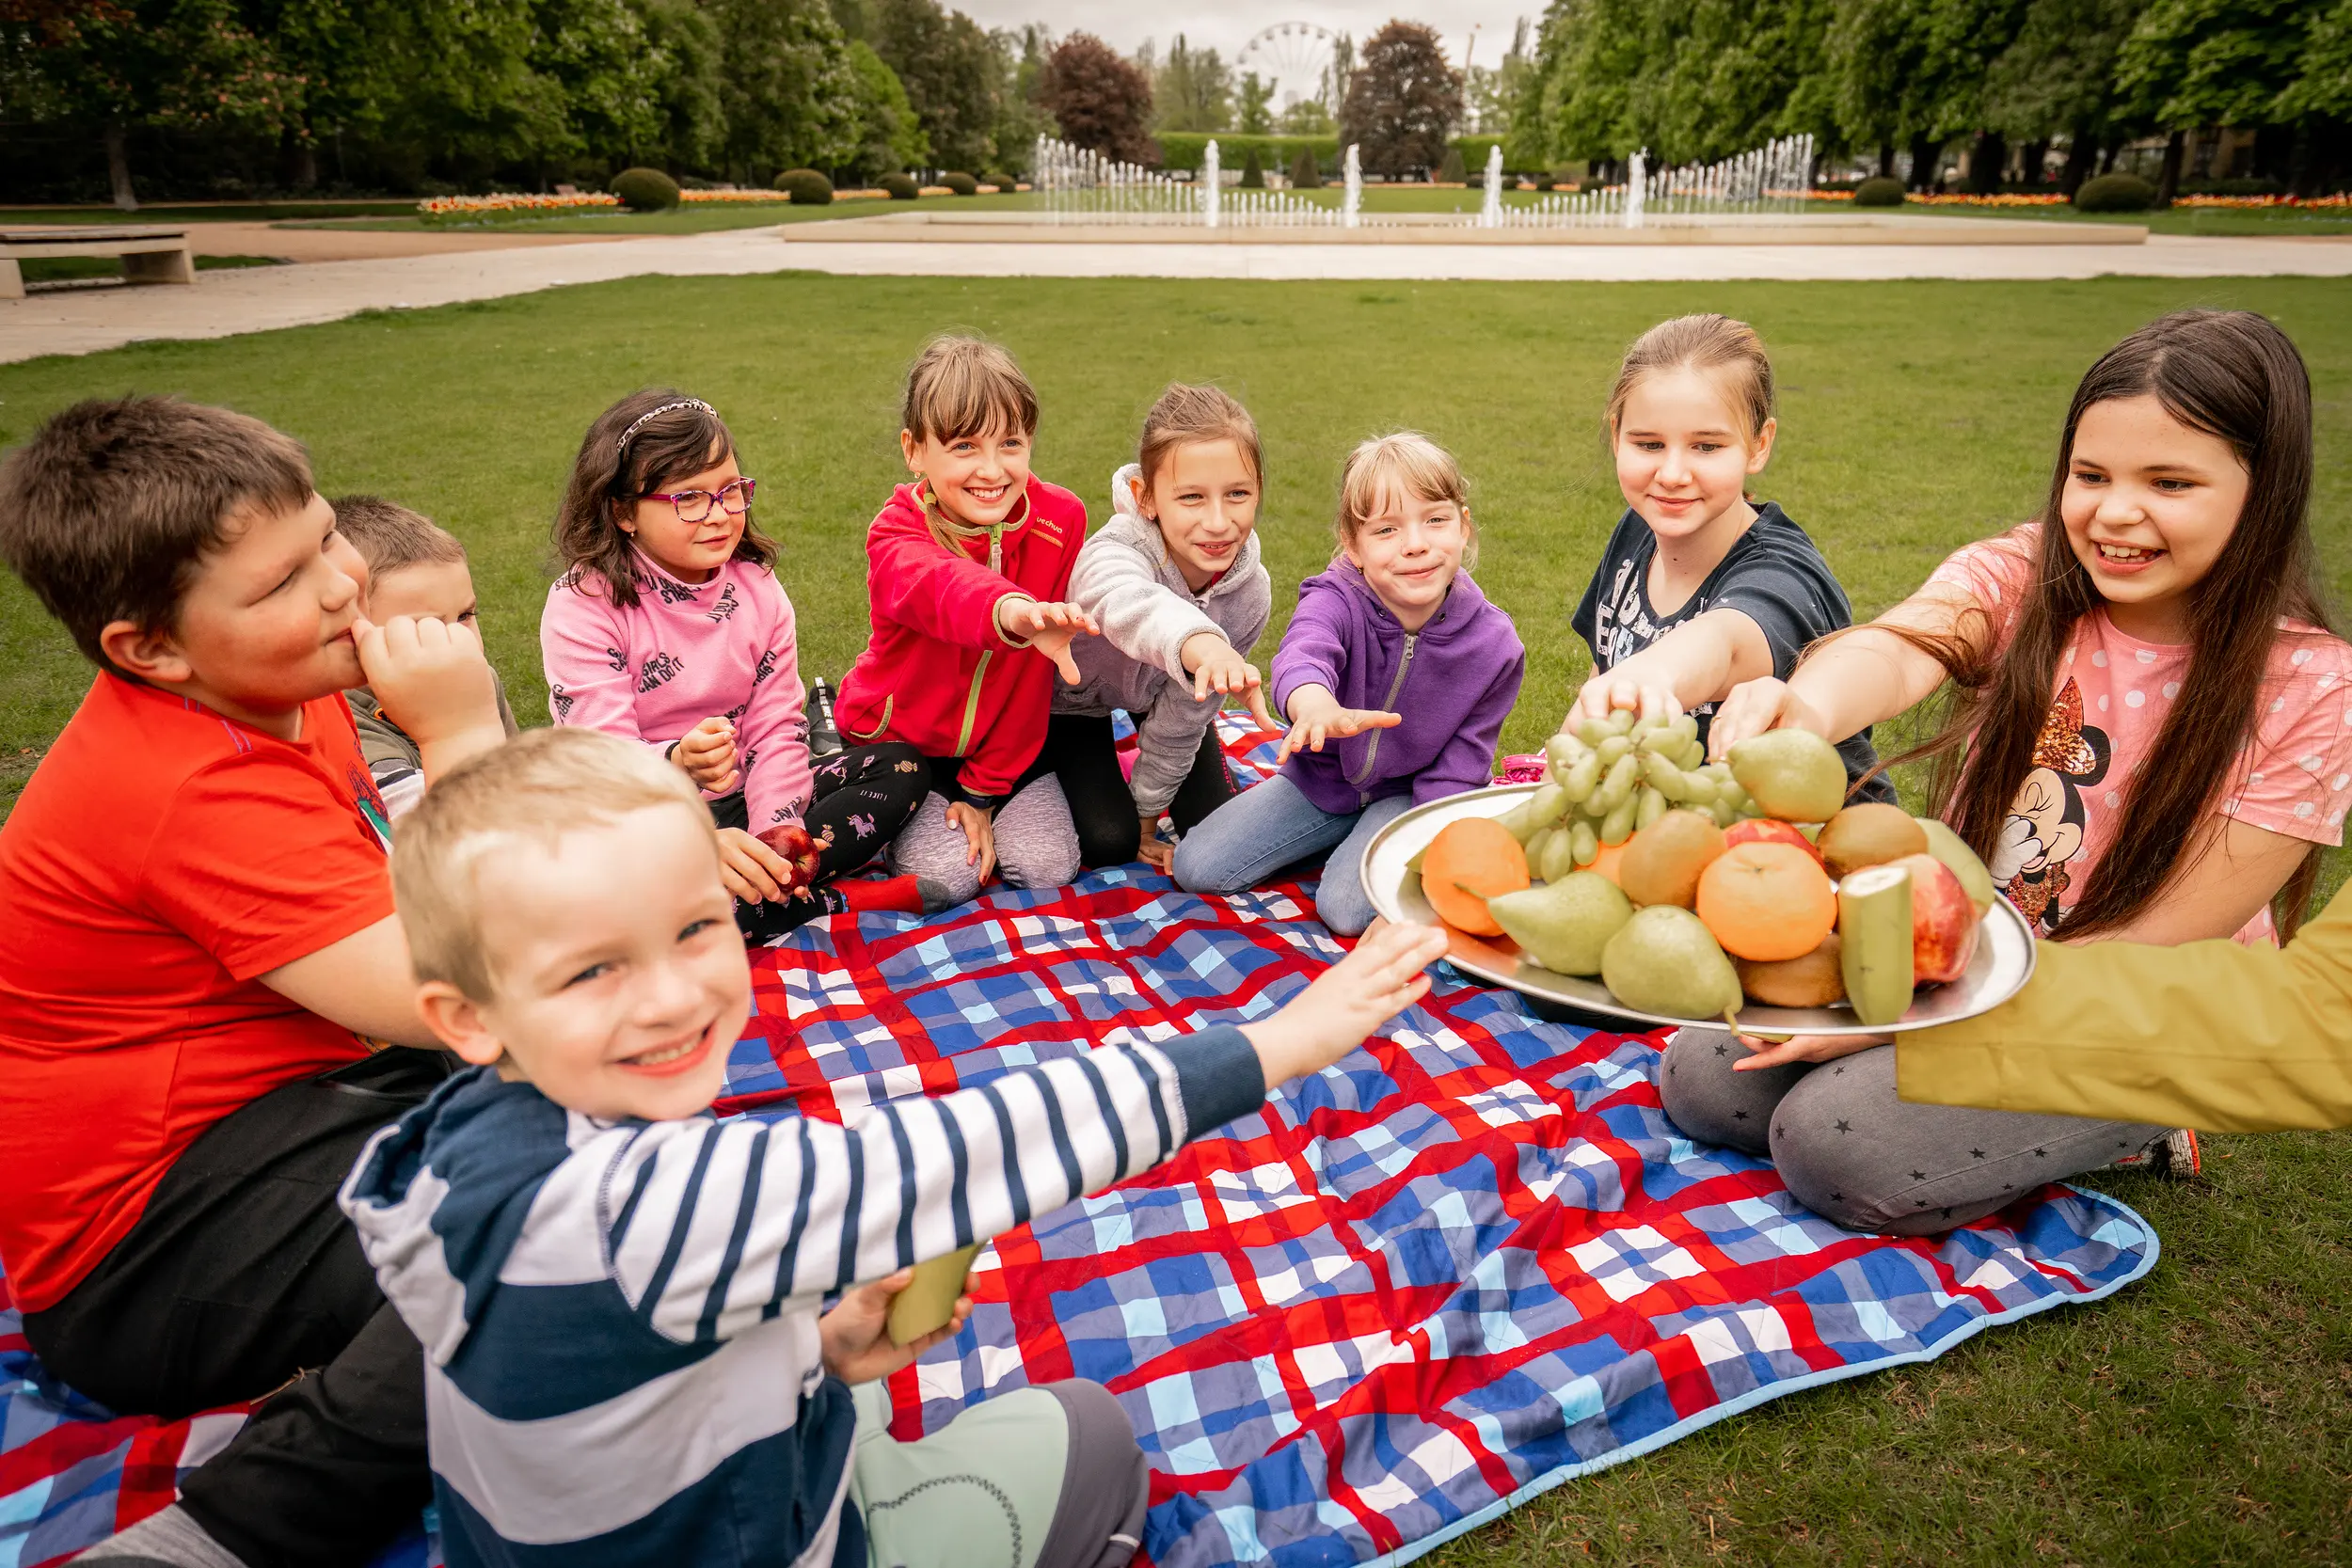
(859, 800)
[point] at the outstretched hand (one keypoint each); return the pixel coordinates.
(1316, 717)
(1049, 629)
(1348, 1000)
(855, 1335)
(1754, 706)
(1608, 691)
(1217, 667)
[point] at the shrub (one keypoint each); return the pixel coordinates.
(644, 190)
(1544, 180)
(2116, 193)
(1879, 191)
(901, 186)
(963, 185)
(1305, 175)
(806, 186)
(999, 179)
(1253, 171)
(1450, 172)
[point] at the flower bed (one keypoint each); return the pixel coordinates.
(512, 204)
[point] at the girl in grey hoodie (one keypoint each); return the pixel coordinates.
(1175, 582)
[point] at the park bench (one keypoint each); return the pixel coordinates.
(149, 254)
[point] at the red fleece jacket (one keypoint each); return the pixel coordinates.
(938, 675)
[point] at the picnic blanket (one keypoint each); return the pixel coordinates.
(1468, 1263)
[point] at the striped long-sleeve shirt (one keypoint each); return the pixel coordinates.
(619, 1319)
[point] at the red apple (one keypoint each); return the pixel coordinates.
(1766, 829)
(1943, 921)
(791, 841)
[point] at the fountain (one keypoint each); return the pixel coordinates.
(1352, 205)
(1212, 186)
(1636, 186)
(1490, 211)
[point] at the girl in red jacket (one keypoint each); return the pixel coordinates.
(966, 570)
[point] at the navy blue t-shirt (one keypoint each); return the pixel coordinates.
(1773, 576)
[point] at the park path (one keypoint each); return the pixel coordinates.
(221, 304)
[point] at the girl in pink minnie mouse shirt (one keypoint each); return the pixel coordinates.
(669, 627)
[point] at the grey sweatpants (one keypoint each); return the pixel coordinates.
(1851, 1152)
(1037, 843)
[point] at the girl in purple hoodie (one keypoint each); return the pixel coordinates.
(1395, 677)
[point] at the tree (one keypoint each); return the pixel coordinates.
(2057, 78)
(1255, 117)
(1098, 100)
(890, 138)
(1403, 101)
(792, 92)
(1192, 90)
(1019, 118)
(2191, 63)
(688, 87)
(2318, 104)
(952, 73)
(1306, 117)
(1306, 174)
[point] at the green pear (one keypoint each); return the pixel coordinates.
(1791, 774)
(1565, 925)
(1664, 961)
(1952, 849)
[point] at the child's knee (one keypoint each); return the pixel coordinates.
(1708, 1101)
(1098, 1522)
(1040, 861)
(1343, 908)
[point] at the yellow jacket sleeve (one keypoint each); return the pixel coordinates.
(2210, 1035)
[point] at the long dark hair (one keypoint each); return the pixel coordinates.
(2236, 377)
(611, 476)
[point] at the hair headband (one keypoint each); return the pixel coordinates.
(639, 424)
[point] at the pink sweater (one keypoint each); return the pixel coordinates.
(684, 653)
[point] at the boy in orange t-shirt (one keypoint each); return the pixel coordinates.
(196, 950)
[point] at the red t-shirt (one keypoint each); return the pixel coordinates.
(161, 858)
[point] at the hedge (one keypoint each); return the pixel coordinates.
(901, 187)
(2116, 193)
(963, 185)
(806, 186)
(1879, 191)
(645, 190)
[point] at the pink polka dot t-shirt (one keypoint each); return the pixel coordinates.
(2113, 693)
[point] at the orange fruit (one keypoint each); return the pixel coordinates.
(1767, 902)
(1606, 864)
(1468, 862)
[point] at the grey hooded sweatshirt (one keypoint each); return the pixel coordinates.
(1126, 579)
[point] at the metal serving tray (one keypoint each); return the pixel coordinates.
(2003, 963)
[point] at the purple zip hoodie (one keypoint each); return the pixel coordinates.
(1453, 682)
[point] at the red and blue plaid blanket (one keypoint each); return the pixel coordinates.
(1470, 1262)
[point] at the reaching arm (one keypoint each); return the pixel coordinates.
(1857, 679)
(365, 983)
(2213, 1034)
(914, 579)
(738, 1217)
(1698, 661)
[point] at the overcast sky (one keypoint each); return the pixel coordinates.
(1226, 25)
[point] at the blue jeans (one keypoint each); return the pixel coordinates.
(1263, 828)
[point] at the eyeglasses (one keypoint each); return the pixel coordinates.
(694, 506)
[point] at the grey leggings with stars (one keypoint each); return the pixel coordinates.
(1854, 1153)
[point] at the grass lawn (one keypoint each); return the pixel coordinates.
(2205, 1415)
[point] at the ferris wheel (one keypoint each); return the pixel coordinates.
(1294, 57)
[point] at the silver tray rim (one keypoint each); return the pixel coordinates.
(2004, 960)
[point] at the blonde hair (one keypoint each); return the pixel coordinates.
(1718, 346)
(532, 789)
(960, 386)
(1408, 461)
(1188, 415)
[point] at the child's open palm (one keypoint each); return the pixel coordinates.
(1316, 717)
(1378, 980)
(1049, 629)
(855, 1335)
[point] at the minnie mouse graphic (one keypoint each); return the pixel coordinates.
(2043, 829)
